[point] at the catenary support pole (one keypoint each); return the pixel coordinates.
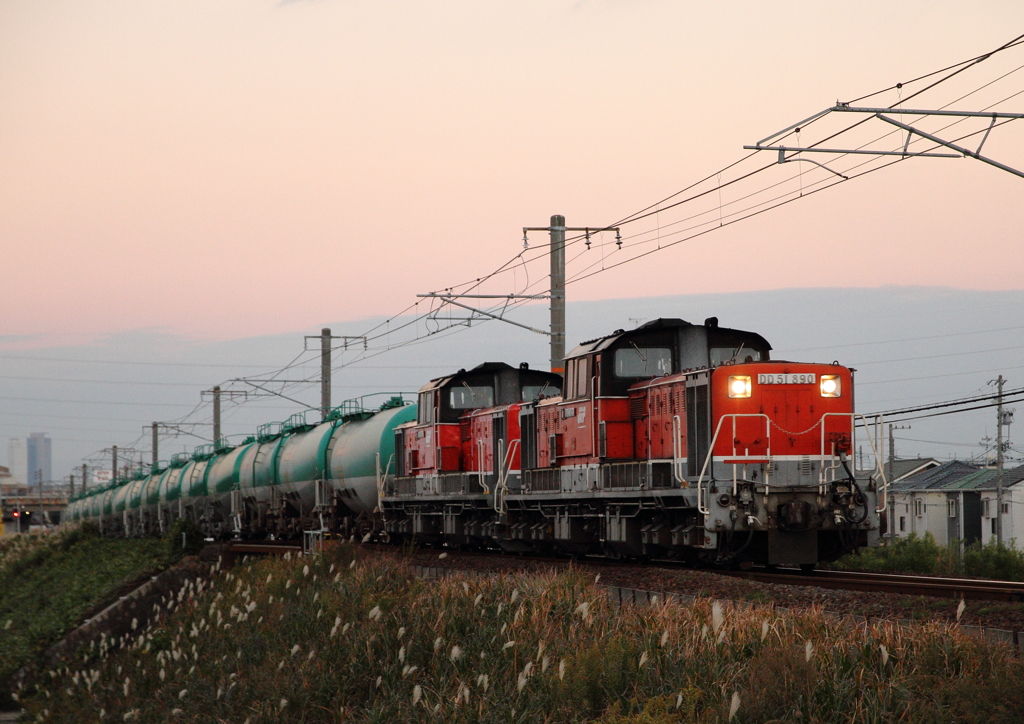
(558, 294)
(216, 415)
(85, 479)
(113, 468)
(156, 442)
(325, 372)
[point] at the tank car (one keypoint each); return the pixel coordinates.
(291, 477)
(670, 440)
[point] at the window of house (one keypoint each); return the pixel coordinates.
(986, 508)
(994, 532)
(919, 507)
(951, 508)
(1006, 508)
(903, 524)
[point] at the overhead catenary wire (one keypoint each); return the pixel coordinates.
(381, 337)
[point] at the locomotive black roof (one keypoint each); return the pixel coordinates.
(600, 343)
(483, 368)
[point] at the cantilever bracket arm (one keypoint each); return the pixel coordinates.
(883, 115)
(449, 300)
(955, 147)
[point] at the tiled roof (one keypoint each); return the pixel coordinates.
(943, 475)
(960, 476)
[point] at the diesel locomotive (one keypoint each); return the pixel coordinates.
(671, 440)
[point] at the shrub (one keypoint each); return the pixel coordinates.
(994, 560)
(912, 554)
(183, 538)
(923, 555)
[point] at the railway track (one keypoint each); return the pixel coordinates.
(966, 588)
(908, 585)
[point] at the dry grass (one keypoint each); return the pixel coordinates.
(342, 638)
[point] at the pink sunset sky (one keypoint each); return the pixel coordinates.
(227, 169)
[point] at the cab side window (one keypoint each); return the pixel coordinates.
(583, 377)
(425, 412)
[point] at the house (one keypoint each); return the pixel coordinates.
(930, 502)
(957, 501)
(1013, 508)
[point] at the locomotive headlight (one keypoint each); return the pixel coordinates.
(739, 386)
(831, 386)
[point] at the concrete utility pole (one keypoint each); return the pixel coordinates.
(558, 294)
(156, 442)
(999, 460)
(113, 454)
(85, 479)
(71, 485)
(325, 372)
(216, 415)
(557, 231)
(891, 523)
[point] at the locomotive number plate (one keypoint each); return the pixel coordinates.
(787, 379)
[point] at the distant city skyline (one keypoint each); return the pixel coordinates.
(29, 457)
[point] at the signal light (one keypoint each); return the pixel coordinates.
(16, 514)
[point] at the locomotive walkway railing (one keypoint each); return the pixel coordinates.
(827, 451)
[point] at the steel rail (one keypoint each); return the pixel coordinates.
(908, 585)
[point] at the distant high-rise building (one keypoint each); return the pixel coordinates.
(17, 460)
(38, 455)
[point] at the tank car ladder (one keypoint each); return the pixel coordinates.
(236, 510)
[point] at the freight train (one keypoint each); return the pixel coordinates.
(671, 440)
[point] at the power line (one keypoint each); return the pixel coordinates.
(936, 356)
(904, 339)
(95, 402)
(130, 363)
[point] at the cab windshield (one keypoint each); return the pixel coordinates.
(733, 355)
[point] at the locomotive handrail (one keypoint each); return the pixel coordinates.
(481, 473)
(501, 486)
(677, 446)
(879, 468)
(701, 506)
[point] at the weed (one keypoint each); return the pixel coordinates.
(271, 642)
